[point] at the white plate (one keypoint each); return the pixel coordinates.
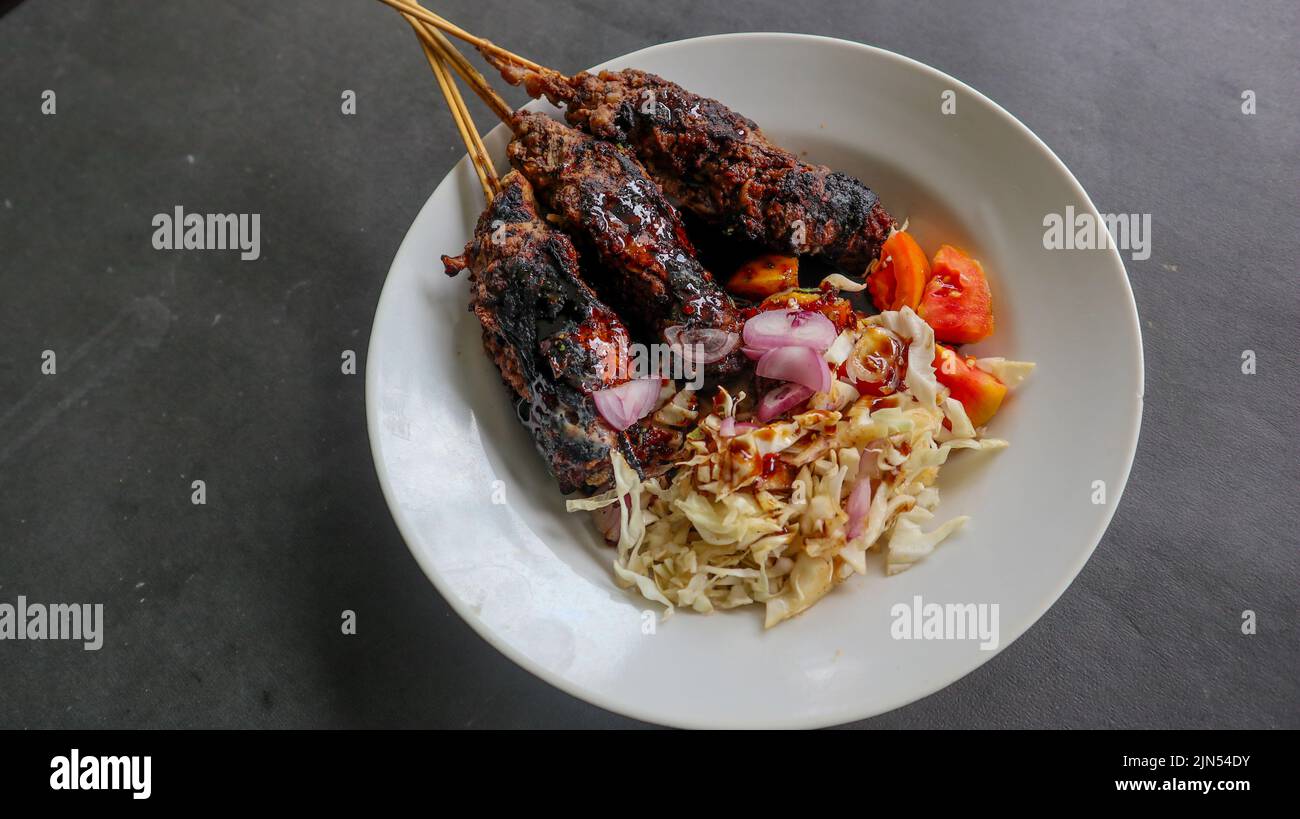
(535, 582)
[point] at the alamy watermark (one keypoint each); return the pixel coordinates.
(1083, 231)
(56, 621)
(75, 772)
(948, 621)
(179, 230)
(658, 360)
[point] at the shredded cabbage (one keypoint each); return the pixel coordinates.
(724, 530)
(908, 544)
(1010, 373)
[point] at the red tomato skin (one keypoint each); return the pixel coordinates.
(957, 302)
(980, 393)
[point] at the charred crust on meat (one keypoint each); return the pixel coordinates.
(552, 340)
(716, 163)
(602, 194)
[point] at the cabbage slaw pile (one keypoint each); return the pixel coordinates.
(721, 533)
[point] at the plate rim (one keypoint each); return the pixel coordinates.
(843, 715)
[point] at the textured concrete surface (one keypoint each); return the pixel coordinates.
(177, 366)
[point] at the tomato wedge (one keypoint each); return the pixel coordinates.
(979, 392)
(899, 279)
(957, 302)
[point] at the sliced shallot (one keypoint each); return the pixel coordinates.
(859, 506)
(781, 400)
(710, 344)
(801, 365)
(624, 405)
(608, 521)
(789, 328)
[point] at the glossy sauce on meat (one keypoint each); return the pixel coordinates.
(716, 163)
(602, 195)
(554, 342)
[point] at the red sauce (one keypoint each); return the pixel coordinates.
(770, 463)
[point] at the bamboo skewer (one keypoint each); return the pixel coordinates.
(472, 76)
(454, 30)
(435, 39)
(464, 122)
(473, 144)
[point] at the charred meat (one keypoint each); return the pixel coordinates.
(717, 164)
(602, 194)
(554, 343)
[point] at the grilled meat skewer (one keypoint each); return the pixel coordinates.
(600, 192)
(717, 164)
(555, 343)
(606, 198)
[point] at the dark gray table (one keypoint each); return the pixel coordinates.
(177, 366)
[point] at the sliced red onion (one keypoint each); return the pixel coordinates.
(789, 328)
(624, 405)
(802, 365)
(715, 344)
(727, 429)
(781, 400)
(868, 463)
(752, 353)
(858, 507)
(607, 519)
